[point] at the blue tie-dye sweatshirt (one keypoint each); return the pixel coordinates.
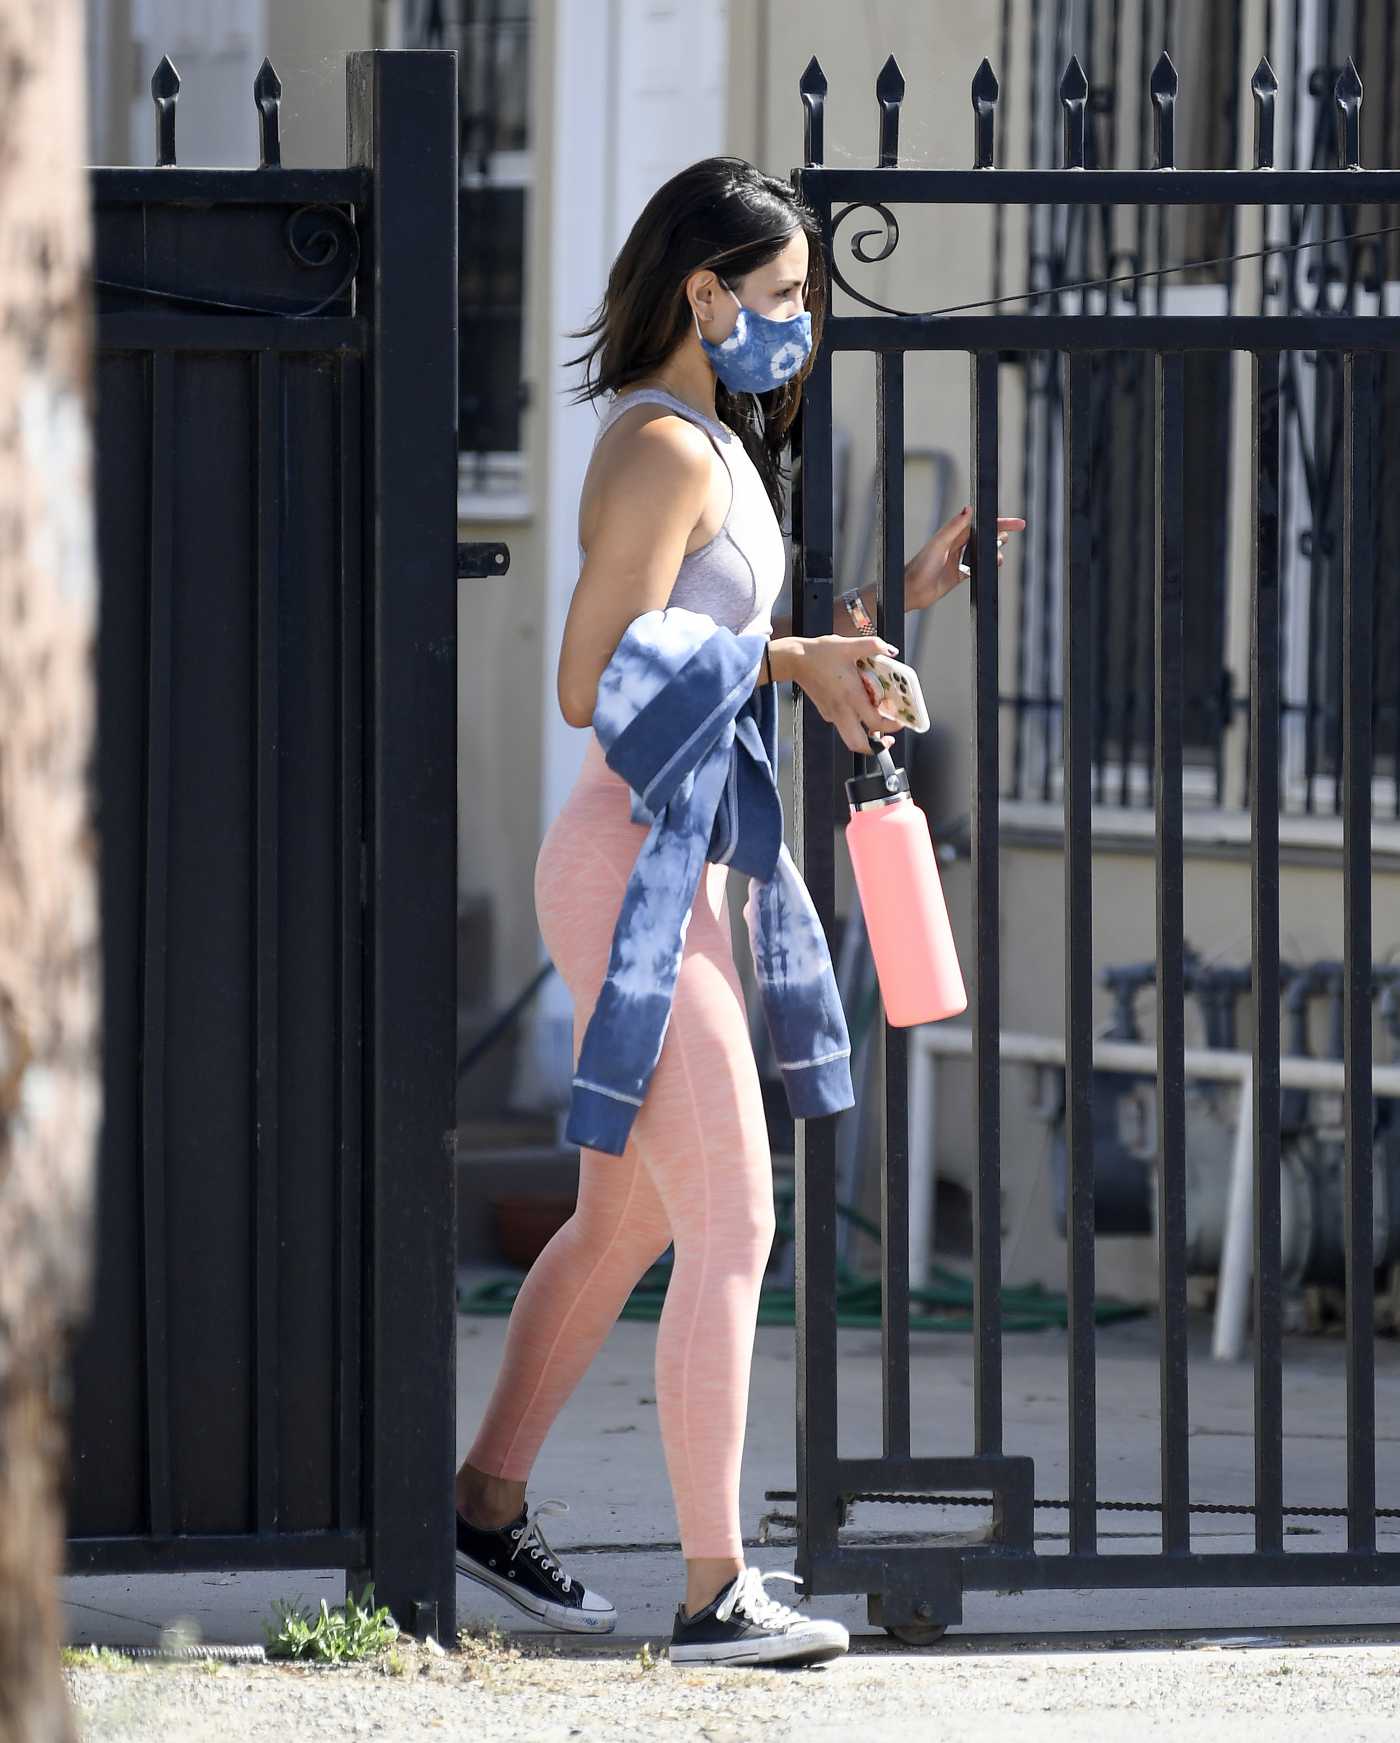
(680, 718)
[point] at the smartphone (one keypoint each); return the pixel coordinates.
(895, 690)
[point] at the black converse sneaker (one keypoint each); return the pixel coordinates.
(743, 1625)
(517, 1562)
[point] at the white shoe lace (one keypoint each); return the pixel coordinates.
(529, 1537)
(748, 1597)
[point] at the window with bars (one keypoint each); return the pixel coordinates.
(1308, 44)
(492, 39)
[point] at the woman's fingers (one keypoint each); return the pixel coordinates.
(858, 727)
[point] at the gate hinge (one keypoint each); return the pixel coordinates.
(477, 561)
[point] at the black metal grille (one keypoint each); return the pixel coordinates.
(1174, 352)
(492, 40)
(266, 1378)
(1342, 269)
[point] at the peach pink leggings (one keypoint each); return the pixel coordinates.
(696, 1173)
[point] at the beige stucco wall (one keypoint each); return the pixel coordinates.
(1217, 924)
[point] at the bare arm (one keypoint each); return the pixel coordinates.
(649, 499)
(840, 621)
(648, 502)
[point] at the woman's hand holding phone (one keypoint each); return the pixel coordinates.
(828, 668)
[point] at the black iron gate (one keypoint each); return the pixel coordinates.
(267, 1378)
(920, 1586)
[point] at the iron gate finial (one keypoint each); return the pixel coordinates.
(1164, 88)
(985, 95)
(812, 86)
(1348, 100)
(1264, 85)
(1074, 94)
(889, 90)
(165, 91)
(267, 94)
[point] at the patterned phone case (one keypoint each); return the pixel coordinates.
(895, 690)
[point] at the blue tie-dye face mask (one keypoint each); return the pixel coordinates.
(761, 353)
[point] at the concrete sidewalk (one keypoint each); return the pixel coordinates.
(604, 1458)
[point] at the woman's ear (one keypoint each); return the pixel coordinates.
(715, 306)
(704, 290)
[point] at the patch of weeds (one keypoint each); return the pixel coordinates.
(395, 1664)
(348, 1634)
(484, 1640)
(646, 1658)
(95, 1658)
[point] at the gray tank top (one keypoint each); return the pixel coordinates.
(735, 577)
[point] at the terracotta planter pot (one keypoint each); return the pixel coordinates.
(526, 1222)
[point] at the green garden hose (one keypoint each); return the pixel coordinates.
(946, 1301)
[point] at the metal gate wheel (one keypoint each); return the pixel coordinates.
(917, 1633)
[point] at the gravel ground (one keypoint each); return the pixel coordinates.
(966, 1691)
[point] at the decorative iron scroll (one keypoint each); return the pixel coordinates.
(859, 252)
(328, 237)
(313, 249)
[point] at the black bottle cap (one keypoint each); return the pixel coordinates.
(887, 784)
(863, 790)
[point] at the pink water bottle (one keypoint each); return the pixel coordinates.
(902, 898)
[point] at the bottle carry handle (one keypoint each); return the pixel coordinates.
(882, 756)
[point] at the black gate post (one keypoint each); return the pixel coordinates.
(402, 126)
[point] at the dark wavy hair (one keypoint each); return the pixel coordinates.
(724, 215)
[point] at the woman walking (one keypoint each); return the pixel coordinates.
(712, 310)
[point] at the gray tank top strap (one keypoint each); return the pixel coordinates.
(738, 574)
(718, 432)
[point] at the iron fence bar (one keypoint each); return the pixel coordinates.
(1087, 187)
(1101, 385)
(1264, 672)
(893, 1043)
(1169, 418)
(1128, 708)
(154, 979)
(985, 608)
(1033, 571)
(1129, 704)
(168, 333)
(353, 512)
(1319, 502)
(271, 186)
(402, 121)
(1077, 637)
(1072, 1572)
(1050, 412)
(198, 1552)
(1358, 610)
(1163, 89)
(267, 1330)
(1233, 98)
(814, 772)
(853, 1476)
(1055, 1504)
(1390, 108)
(1080, 333)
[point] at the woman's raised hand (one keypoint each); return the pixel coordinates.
(934, 570)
